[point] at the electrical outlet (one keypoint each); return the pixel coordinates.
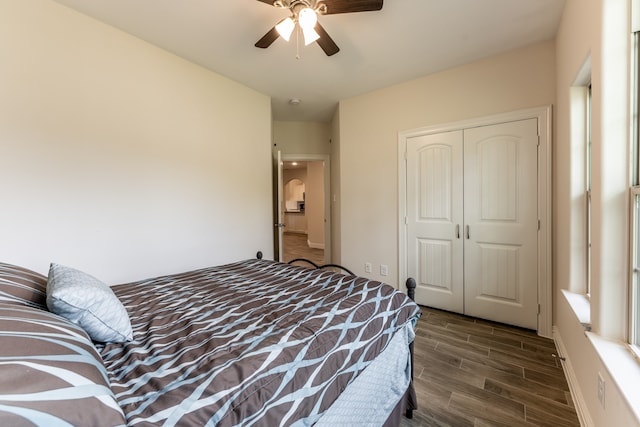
(384, 270)
(601, 389)
(367, 267)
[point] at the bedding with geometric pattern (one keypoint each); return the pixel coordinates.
(50, 373)
(249, 343)
(19, 285)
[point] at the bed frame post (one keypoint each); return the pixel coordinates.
(411, 293)
(411, 288)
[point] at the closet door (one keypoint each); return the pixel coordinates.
(434, 219)
(501, 222)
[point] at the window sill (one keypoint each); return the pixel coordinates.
(622, 366)
(581, 307)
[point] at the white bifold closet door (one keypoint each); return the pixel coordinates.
(472, 221)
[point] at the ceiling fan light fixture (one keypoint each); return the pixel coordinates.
(304, 19)
(285, 28)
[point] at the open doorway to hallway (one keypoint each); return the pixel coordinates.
(295, 246)
(305, 207)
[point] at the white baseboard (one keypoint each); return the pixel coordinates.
(576, 394)
(315, 245)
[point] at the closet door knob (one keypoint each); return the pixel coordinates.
(468, 232)
(458, 231)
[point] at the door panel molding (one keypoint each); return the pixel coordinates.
(434, 216)
(500, 193)
(543, 116)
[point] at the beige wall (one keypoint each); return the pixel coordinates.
(119, 158)
(302, 137)
(315, 204)
(336, 184)
(368, 139)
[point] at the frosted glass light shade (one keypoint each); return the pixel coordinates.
(285, 28)
(307, 18)
(310, 35)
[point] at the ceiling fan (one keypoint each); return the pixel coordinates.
(304, 14)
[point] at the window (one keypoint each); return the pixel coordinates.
(587, 168)
(580, 126)
(635, 96)
(634, 291)
(634, 337)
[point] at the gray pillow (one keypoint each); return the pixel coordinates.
(89, 303)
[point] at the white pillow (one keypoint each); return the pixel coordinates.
(89, 303)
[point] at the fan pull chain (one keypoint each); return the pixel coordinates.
(297, 42)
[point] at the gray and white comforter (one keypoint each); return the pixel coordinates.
(249, 343)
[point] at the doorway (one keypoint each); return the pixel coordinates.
(304, 208)
(443, 234)
(472, 221)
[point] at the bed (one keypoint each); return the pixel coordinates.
(254, 342)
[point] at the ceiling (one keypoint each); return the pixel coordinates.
(407, 39)
(298, 164)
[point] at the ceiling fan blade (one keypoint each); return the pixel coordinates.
(348, 6)
(266, 40)
(325, 41)
(269, 2)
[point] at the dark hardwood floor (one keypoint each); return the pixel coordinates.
(471, 372)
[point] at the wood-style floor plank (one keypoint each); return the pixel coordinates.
(295, 246)
(472, 372)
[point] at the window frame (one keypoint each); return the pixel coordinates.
(587, 167)
(634, 280)
(635, 110)
(633, 337)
